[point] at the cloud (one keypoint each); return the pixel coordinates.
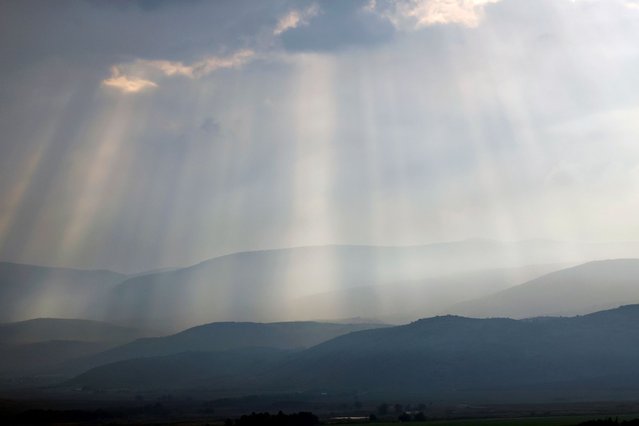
(202, 67)
(169, 68)
(371, 22)
(295, 18)
(416, 14)
(127, 84)
(133, 77)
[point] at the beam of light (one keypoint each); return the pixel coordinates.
(102, 175)
(227, 296)
(51, 296)
(12, 203)
(313, 120)
(314, 123)
(12, 206)
(476, 92)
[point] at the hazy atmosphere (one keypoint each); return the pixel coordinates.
(369, 210)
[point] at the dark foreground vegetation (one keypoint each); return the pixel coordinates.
(288, 411)
(610, 422)
(279, 419)
(100, 417)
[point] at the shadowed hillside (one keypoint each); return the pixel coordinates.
(442, 356)
(39, 344)
(226, 336)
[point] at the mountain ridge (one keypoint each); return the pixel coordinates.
(444, 355)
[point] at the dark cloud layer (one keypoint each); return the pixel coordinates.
(107, 31)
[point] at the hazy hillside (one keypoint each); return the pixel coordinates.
(436, 357)
(44, 357)
(272, 285)
(404, 302)
(390, 283)
(39, 344)
(226, 336)
(581, 289)
(28, 291)
(44, 329)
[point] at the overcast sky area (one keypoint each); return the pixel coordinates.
(146, 134)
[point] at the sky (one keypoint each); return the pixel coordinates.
(147, 134)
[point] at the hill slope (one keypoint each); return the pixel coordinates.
(226, 336)
(442, 357)
(232, 370)
(449, 353)
(582, 289)
(45, 329)
(404, 302)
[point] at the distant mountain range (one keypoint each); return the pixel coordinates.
(443, 357)
(578, 290)
(403, 302)
(391, 284)
(311, 283)
(72, 346)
